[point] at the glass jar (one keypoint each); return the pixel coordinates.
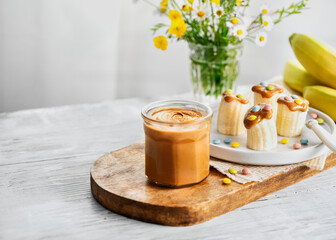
(177, 152)
(213, 69)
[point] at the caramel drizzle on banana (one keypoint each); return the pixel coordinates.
(261, 115)
(293, 106)
(267, 93)
(230, 97)
(177, 115)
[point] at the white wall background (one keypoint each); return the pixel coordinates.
(56, 52)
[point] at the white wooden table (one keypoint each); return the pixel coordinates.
(45, 159)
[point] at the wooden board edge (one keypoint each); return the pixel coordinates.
(186, 216)
(261, 189)
(163, 215)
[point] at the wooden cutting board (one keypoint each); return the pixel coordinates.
(119, 183)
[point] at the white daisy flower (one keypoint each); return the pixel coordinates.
(242, 3)
(233, 22)
(219, 12)
(265, 9)
(240, 6)
(239, 31)
(217, 8)
(306, 2)
(200, 13)
(267, 23)
(261, 39)
(235, 19)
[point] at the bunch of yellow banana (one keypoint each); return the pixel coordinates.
(316, 78)
(297, 77)
(322, 98)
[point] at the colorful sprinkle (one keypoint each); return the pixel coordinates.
(252, 117)
(235, 144)
(298, 101)
(228, 91)
(255, 108)
(267, 107)
(320, 121)
(295, 96)
(216, 141)
(269, 88)
(284, 141)
(240, 96)
(226, 181)
(288, 98)
(232, 171)
(227, 140)
(313, 115)
(296, 146)
(304, 141)
(264, 84)
(246, 171)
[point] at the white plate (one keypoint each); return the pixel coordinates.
(283, 154)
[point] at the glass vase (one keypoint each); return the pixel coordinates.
(213, 69)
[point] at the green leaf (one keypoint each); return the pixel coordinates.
(157, 27)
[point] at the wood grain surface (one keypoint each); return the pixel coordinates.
(45, 161)
(119, 183)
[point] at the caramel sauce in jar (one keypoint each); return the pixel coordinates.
(177, 142)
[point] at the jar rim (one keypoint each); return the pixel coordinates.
(166, 103)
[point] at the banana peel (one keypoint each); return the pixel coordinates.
(316, 57)
(322, 98)
(297, 77)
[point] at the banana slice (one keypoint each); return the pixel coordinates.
(231, 113)
(261, 130)
(291, 117)
(267, 93)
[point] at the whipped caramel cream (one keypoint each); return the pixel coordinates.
(176, 115)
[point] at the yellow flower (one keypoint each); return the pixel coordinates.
(174, 15)
(239, 2)
(187, 8)
(160, 42)
(178, 28)
(191, 1)
(164, 3)
(216, 1)
(163, 9)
